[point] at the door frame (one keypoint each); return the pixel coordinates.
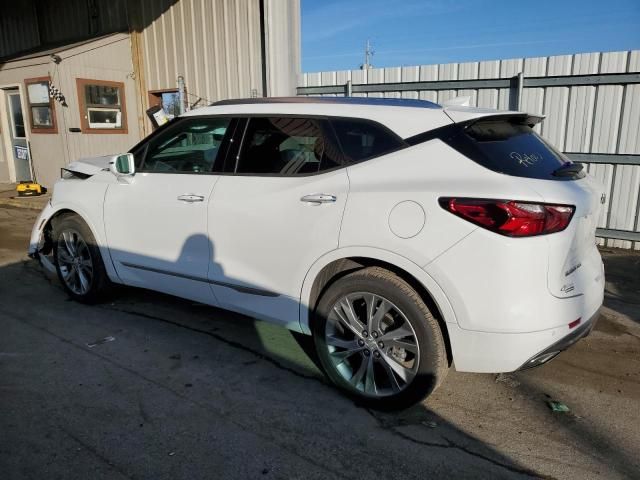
(5, 139)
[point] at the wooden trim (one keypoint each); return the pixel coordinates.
(155, 95)
(135, 29)
(52, 106)
(84, 121)
(164, 90)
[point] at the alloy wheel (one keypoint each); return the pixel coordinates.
(371, 344)
(75, 262)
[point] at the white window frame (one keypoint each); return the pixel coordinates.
(116, 125)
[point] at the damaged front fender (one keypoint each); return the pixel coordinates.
(40, 245)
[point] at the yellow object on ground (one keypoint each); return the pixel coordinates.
(30, 188)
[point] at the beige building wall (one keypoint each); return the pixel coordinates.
(108, 58)
(282, 45)
(48, 148)
(217, 46)
(222, 48)
(214, 45)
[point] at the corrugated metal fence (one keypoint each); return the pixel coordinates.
(591, 102)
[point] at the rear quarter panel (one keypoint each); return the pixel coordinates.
(575, 265)
(420, 174)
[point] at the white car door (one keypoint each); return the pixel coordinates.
(277, 210)
(156, 221)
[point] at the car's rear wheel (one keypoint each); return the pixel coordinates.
(377, 340)
(78, 261)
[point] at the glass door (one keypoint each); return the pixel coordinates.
(17, 132)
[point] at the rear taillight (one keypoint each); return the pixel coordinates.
(509, 217)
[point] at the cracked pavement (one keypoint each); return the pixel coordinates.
(189, 391)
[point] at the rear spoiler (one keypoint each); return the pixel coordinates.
(448, 130)
(518, 117)
(460, 114)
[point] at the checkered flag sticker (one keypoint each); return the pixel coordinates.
(56, 94)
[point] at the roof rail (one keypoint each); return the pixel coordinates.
(391, 102)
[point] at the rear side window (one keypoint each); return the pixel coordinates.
(511, 148)
(361, 140)
(287, 146)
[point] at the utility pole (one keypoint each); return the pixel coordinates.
(181, 95)
(368, 53)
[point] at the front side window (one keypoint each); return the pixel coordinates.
(287, 146)
(41, 107)
(361, 140)
(102, 106)
(192, 146)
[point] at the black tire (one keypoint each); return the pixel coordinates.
(429, 366)
(99, 285)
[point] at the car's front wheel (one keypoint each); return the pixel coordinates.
(377, 340)
(78, 261)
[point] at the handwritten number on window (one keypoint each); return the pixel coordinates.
(526, 159)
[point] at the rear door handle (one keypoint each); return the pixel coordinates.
(318, 198)
(191, 198)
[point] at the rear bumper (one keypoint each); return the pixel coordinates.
(495, 352)
(551, 352)
(505, 314)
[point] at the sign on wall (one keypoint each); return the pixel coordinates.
(22, 153)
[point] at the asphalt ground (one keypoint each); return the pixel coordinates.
(187, 391)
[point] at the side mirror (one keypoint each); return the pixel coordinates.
(123, 164)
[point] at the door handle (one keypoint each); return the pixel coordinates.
(318, 198)
(191, 198)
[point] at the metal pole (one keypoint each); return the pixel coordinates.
(520, 88)
(181, 95)
(366, 56)
(347, 86)
(368, 53)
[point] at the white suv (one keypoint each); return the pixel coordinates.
(403, 236)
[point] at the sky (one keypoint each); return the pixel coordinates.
(420, 32)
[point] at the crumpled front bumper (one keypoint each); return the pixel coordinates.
(37, 238)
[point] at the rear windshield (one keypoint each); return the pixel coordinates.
(511, 148)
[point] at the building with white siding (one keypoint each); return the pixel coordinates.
(77, 76)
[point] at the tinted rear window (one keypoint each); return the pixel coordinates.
(511, 148)
(361, 139)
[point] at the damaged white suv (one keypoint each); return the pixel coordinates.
(403, 236)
